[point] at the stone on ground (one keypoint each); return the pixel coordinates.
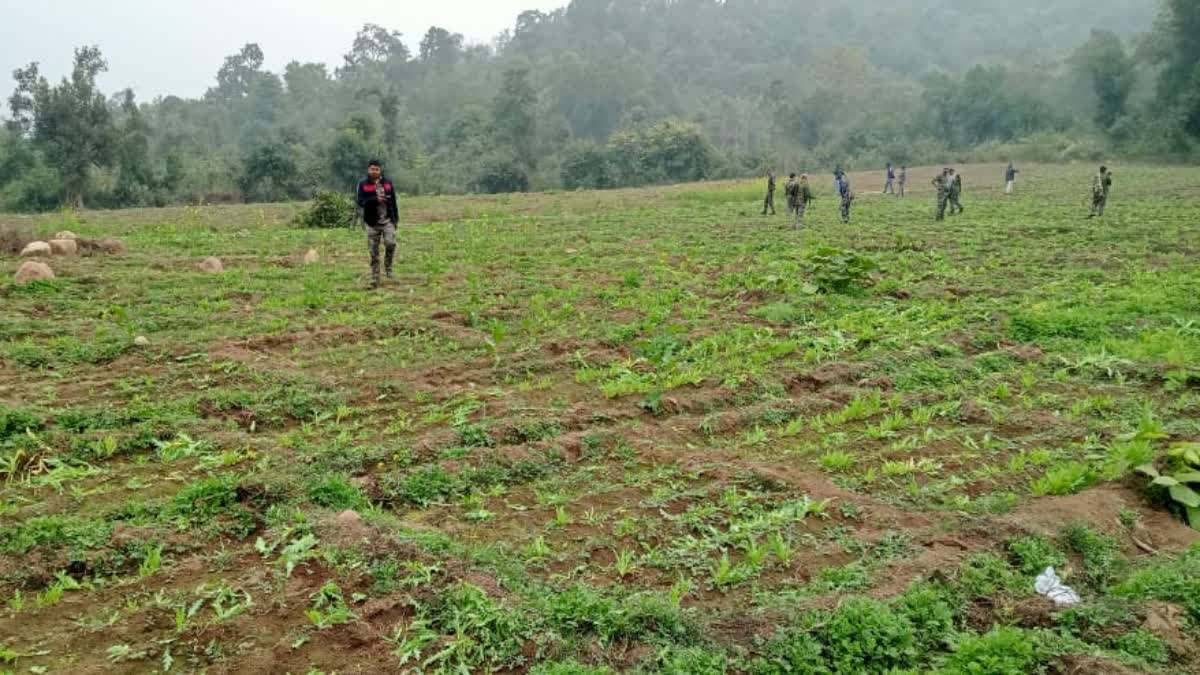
(312, 256)
(66, 234)
(35, 249)
(141, 341)
(112, 246)
(64, 247)
(212, 264)
(33, 271)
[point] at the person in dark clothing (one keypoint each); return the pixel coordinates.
(377, 199)
(769, 202)
(889, 187)
(792, 191)
(1010, 179)
(903, 178)
(847, 197)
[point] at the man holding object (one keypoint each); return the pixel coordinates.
(377, 198)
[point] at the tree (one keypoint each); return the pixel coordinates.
(514, 115)
(1175, 47)
(441, 49)
(135, 178)
(237, 75)
(501, 171)
(375, 45)
(1102, 61)
(69, 124)
(586, 165)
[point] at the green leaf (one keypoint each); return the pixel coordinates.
(1189, 477)
(1165, 481)
(1148, 469)
(1186, 496)
(1193, 515)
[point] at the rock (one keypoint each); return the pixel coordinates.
(141, 341)
(66, 234)
(312, 256)
(348, 519)
(64, 247)
(33, 271)
(213, 265)
(112, 246)
(36, 249)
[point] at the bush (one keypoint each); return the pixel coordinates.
(866, 636)
(1034, 554)
(335, 492)
(1004, 651)
(836, 271)
(329, 210)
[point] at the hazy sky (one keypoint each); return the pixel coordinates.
(176, 47)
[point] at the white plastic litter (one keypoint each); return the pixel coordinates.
(1049, 585)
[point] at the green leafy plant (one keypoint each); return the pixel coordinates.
(329, 209)
(834, 270)
(1179, 479)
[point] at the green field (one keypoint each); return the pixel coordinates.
(629, 431)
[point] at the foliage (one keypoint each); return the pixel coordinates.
(1182, 473)
(329, 209)
(1003, 651)
(835, 270)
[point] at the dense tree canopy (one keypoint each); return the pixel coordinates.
(606, 93)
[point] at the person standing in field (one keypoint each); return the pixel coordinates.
(903, 178)
(377, 199)
(889, 187)
(837, 178)
(942, 184)
(791, 191)
(1010, 179)
(769, 202)
(1101, 184)
(804, 195)
(955, 192)
(847, 196)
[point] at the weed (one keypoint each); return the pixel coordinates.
(329, 608)
(1064, 480)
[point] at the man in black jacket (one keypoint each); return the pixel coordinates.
(377, 199)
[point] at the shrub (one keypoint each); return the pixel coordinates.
(1003, 651)
(864, 635)
(335, 492)
(1064, 480)
(1034, 554)
(836, 271)
(329, 209)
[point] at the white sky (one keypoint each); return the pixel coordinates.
(176, 46)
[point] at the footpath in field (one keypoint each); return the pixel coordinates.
(630, 431)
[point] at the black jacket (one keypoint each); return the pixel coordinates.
(369, 203)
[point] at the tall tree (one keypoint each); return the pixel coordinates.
(514, 115)
(135, 177)
(1175, 45)
(1103, 61)
(70, 124)
(441, 49)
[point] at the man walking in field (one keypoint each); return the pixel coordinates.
(889, 187)
(942, 184)
(1010, 179)
(903, 178)
(847, 196)
(804, 195)
(377, 199)
(791, 191)
(769, 202)
(1101, 184)
(955, 192)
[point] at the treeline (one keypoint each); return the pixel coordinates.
(607, 93)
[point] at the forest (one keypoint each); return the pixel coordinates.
(610, 93)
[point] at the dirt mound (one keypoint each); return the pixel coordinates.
(32, 271)
(66, 234)
(64, 247)
(36, 249)
(212, 265)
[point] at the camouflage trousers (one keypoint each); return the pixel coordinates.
(1099, 201)
(941, 207)
(845, 210)
(955, 204)
(385, 233)
(769, 203)
(801, 207)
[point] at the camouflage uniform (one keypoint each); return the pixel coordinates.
(847, 196)
(792, 190)
(943, 188)
(955, 194)
(903, 179)
(769, 202)
(1101, 184)
(804, 195)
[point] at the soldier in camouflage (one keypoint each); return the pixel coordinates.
(790, 190)
(941, 183)
(804, 195)
(377, 199)
(769, 202)
(1101, 184)
(954, 194)
(847, 196)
